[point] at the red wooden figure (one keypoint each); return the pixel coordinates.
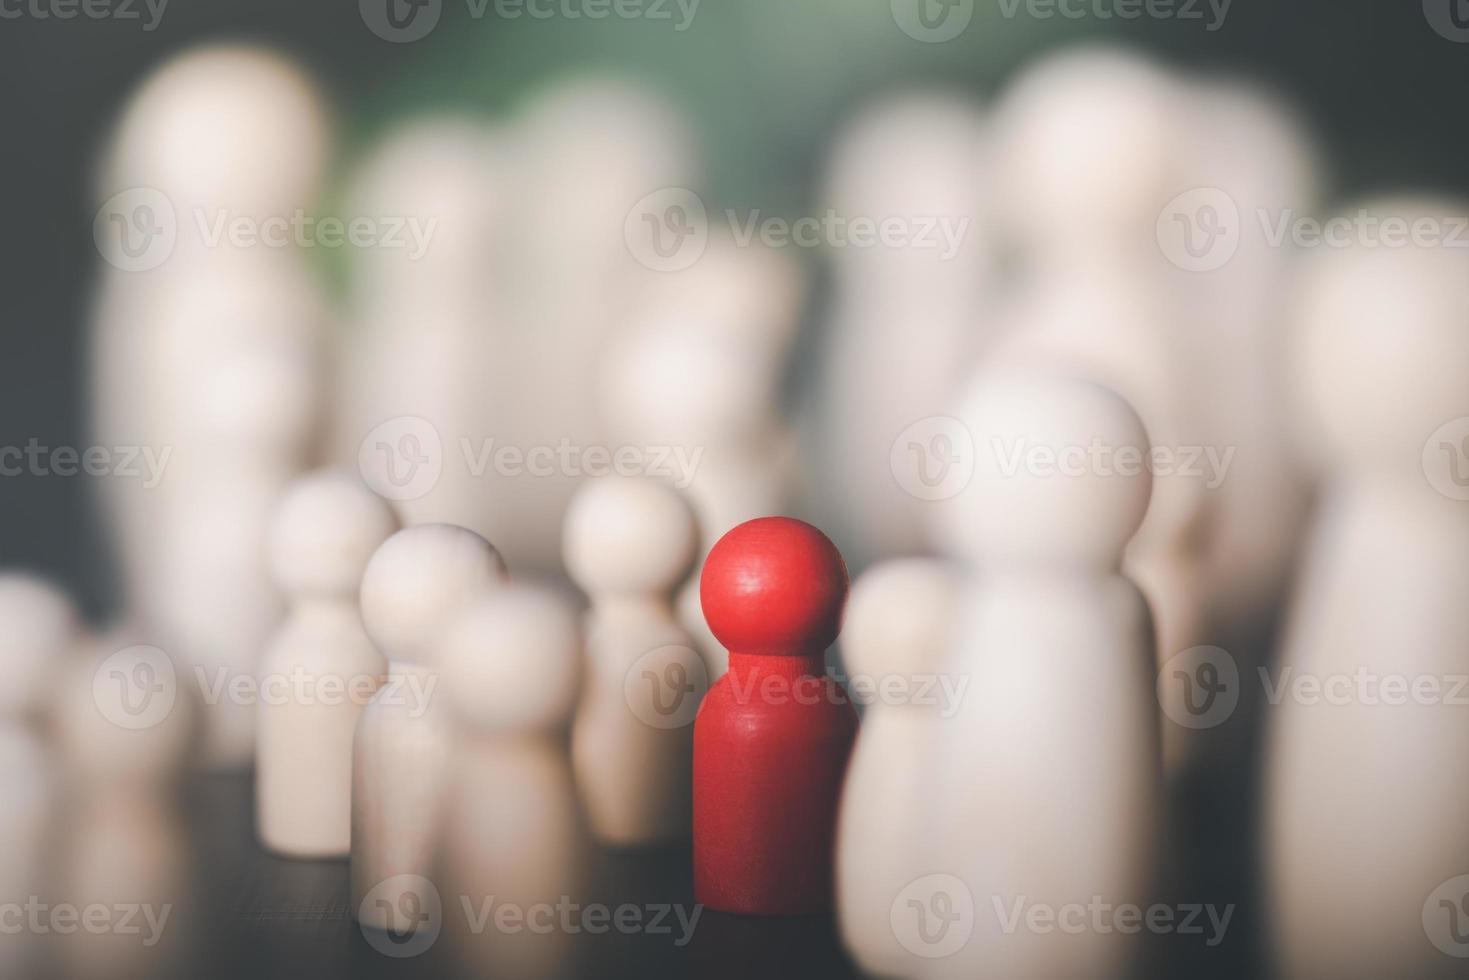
(773, 735)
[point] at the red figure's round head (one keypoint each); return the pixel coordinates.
(774, 586)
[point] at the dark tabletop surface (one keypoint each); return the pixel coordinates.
(241, 912)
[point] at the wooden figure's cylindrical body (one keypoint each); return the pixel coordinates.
(773, 736)
(771, 744)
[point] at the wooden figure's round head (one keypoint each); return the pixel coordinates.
(774, 586)
(224, 125)
(419, 580)
(628, 537)
(899, 616)
(39, 629)
(512, 661)
(1381, 350)
(1119, 112)
(1062, 473)
(324, 531)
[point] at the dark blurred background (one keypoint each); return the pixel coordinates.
(765, 83)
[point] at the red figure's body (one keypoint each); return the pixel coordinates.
(772, 737)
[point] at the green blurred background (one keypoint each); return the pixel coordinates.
(764, 83)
